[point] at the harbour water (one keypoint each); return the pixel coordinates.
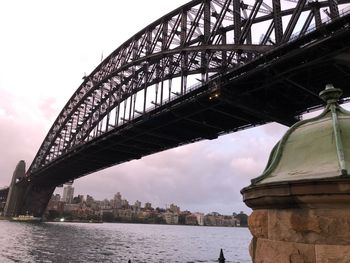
(78, 242)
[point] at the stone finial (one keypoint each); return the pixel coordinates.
(301, 200)
(330, 94)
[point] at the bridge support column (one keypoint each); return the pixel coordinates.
(16, 191)
(26, 196)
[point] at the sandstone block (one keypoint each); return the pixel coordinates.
(313, 226)
(270, 251)
(258, 223)
(332, 254)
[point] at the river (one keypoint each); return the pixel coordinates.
(78, 242)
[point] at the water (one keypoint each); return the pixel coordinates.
(75, 242)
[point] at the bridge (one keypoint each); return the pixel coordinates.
(208, 68)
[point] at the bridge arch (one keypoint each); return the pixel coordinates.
(197, 42)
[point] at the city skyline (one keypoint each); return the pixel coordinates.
(68, 196)
(118, 209)
(53, 54)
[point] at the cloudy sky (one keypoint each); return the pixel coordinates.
(48, 46)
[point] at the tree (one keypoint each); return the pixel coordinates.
(243, 219)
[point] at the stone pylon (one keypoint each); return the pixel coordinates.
(16, 192)
(301, 202)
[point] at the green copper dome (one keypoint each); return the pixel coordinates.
(316, 148)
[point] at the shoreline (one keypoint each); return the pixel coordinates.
(58, 220)
(135, 223)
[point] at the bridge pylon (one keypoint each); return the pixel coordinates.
(16, 192)
(25, 196)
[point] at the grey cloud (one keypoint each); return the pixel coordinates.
(20, 134)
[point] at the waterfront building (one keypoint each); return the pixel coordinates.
(71, 207)
(171, 218)
(125, 215)
(117, 201)
(210, 220)
(137, 206)
(125, 204)
(200, 218)
(55, 207)
(191, 219)
(80, 209)
(214, 214)
(105, 204)
(68, 193)
(174, 208)
(230, 221)
(215, 219)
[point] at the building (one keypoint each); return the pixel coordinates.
(215, 219)
(171, 218)
(68, 193)
(55, 207)
(174, 208)
(148, 206)
(125, 204)
(137, 206)
(124, 215)
(191, 219)
(89, 200)
(71, 207)
(117, 201)
(105, 204)
(200, 218)
(78, 199)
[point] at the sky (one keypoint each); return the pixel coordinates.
(48, 46)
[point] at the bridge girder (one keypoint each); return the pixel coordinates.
(198, 41)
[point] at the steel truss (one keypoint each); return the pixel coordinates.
(194, 43)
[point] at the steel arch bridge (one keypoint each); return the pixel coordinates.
(202, 38)
(189, 60)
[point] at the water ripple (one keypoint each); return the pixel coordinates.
(76, 243)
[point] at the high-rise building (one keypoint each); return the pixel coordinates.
(117, 201)
(68, 193)
(89, 200)
(137, 206)
(174, 208)
(200, 218)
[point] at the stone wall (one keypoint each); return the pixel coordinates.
(300, 235)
